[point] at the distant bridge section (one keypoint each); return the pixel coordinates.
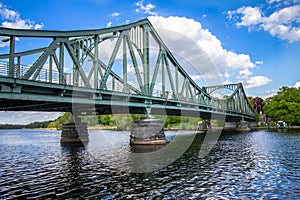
(123, 69)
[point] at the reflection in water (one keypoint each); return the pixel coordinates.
(261, 164)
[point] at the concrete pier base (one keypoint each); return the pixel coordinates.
(243, 126)
(147, 132)
(203, 126)
(237, 126)
(74, 133)
(230, 125)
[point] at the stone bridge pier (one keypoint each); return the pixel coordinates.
(74, 132)
(238, 126)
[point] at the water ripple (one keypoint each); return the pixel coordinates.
(255, 165)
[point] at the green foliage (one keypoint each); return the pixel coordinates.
(90, 120)
(105, 120)
(44, 124)
(284, 106)
(250, 101)
(60, 121)
(11, 126)
(29, 126)
(179, 121)
(172, 121)
(123, 121)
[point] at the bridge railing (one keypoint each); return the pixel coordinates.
(20, 70)
(44, 76)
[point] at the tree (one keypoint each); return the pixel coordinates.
(285, 105)
(60, 121)
(105, 120)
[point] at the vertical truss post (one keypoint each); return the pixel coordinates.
(11, 56)
(61, 62)
(176, 80)
(18, 73)
(75, 70)
(50, 67)
(96, 64)
(146, 66)
(125, 62)
(239, 101)
(113, 85)
(163, 79)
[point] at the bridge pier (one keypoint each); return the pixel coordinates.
(147, 131)
(238, 126)
(74, 133)
(204, 126)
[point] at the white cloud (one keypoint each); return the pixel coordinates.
(251, 16)
(199, 47)
(257, 81)
(203, 76)
(108, 24)
(259, 62)
(244, 74)
(269, 93)
(226, 75)
(8, 14)
(145, 8)
(282, 23)
(273, 1)
(297, 85)
(13, 20)
(115, 14)
(38, 26)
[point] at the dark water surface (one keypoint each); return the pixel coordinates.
(255, 165)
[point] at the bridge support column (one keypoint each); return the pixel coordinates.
(237, 126)
(147, 131)
(243, 126)
(230, 125)
(204, 126)
(74, 133)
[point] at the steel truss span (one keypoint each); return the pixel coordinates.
(122, 69)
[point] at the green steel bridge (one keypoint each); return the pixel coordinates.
(122, 69)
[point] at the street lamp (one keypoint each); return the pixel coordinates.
(5, 39)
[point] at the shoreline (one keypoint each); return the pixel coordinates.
(115, 128)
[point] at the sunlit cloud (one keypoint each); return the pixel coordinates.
(257, 81)
(282, 23)
(12, 19)
(204, 50)
(115, 14)
(145, 8)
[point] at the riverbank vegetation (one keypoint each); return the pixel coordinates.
(285, 106)
(123, 121)
(33, 125)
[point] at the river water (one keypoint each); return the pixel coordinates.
(261, 164)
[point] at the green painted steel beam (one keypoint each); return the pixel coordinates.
(72, 33)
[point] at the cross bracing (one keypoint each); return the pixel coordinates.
(127, 66)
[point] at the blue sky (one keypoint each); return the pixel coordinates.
(253, 42)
